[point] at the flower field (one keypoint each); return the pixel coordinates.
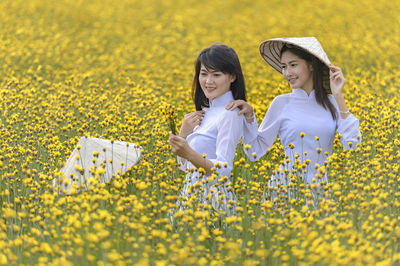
(108, 69)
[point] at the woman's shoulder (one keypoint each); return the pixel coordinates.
(281, 100)
(230, 115)
(282, 97)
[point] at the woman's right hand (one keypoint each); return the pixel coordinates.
(245, 108)
(190, 121)
(180, 146)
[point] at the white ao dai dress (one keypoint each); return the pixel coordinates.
(291, 114)
(217, 137)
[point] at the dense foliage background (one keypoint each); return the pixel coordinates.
(108, 69)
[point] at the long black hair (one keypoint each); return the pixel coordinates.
(218, 57)
(318, 69)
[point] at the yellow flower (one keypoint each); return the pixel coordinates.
(45, 247)
(9, 213)
(3, 259)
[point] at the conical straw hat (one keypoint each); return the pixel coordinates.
(80, 167)
(271, 50)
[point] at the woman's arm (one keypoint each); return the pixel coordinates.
(245, 109)
(350, 134)
(190, 121)
(183, 150)
(348, 129)
(256, 140)
(230, 130)
(337, 82)
(347, 124)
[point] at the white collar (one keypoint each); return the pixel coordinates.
(302, 93)
(222, 100)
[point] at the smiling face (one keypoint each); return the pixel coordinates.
(214, 83)
(297, 71)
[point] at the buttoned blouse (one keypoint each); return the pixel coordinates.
(296, 112)
(217, 135)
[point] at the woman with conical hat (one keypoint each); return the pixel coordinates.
(306, 119)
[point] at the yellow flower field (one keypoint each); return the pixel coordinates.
(108, 69)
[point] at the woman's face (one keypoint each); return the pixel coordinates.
(214, 83)
(297, 71)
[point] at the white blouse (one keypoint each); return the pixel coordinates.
(218, 134)
(296, 112)
(217, 137)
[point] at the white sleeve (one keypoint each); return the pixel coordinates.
(230, 130)
(250, 130)
(347, 128)
(261, 140)
(182, 163)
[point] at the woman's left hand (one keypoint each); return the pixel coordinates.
(180, 146)
(337, 79)
(245, 109)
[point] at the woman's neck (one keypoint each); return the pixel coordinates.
(308, 90)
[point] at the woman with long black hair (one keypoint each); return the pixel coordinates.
(209, 136)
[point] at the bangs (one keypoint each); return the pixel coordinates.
(303, 54)
(215, 62)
